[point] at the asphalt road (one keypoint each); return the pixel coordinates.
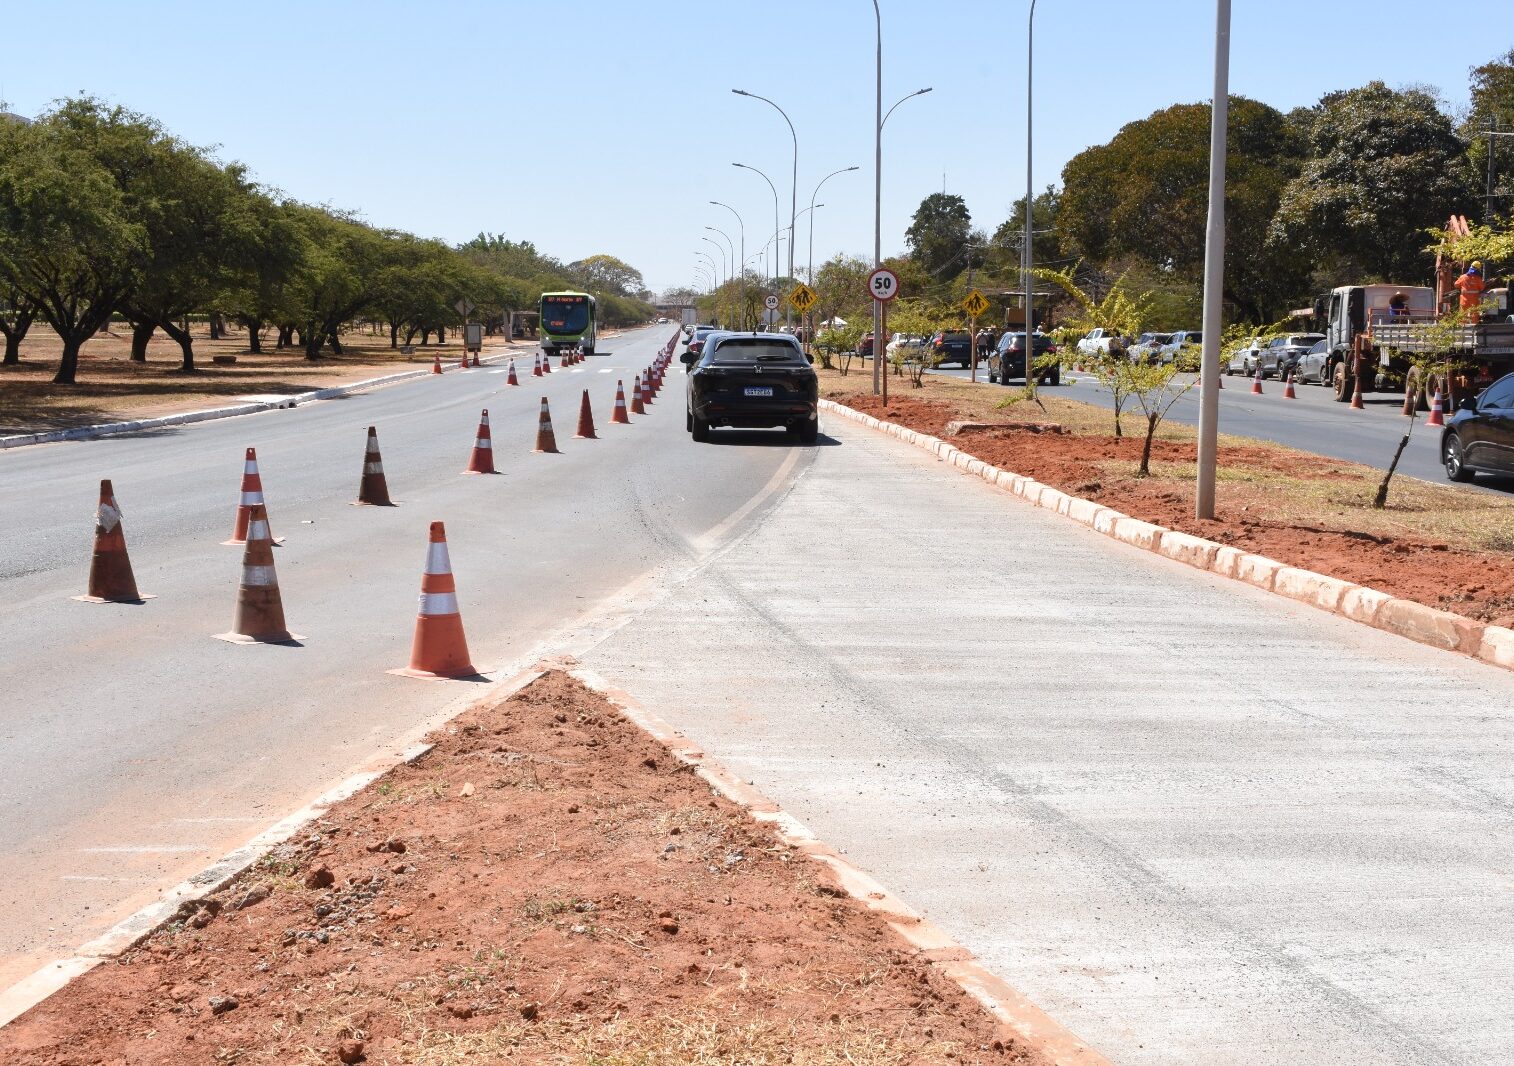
(1313, 422)
(1194, 822)
(137, 748)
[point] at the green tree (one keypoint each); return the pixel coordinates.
(336, 279)
(16, 314)
(938, 234)
(70, 245)
(605, 273)
(256, 292)
(1492, 92)
(1386, 166)
(1002, 256)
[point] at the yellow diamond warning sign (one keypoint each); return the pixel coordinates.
(803, 297)
(975, 304)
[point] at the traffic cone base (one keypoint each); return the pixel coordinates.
(620, 416)
(482, 459)
(1437, 415)
(1256, 384)
(546, 440)
(512, 379)
(1288, 393)
(110, 576)
(585, 419)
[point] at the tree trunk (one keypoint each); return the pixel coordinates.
(68, 366)
(1381, 499)
(425, 337)
(1151, 432)
(186, 345)
(410, 332)
(254, 341)
(286, 337)
(441, 334)
(15, 333)
(336, 344)
(298, 336)
(314, 344)
(216, 329)
(394, 334)
(141, 333)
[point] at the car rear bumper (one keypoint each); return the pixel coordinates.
(755, 415)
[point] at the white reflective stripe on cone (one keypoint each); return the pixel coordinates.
(107, 517)
(437, 559)
(250, 467)
(483, 442)
(373, 468)
(250, 498)
(257, 531)
(437, 603)
(258, 575)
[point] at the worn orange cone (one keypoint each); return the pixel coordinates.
(436, 364)
(1256, 384)
(536, 366)
(439, 650)
(252, 493)
(1356, 397)
(475, 360)
(482, 459)
(585, 419)
(1437, 413)
(546, 440)
(637, 408)
(546, 363)
(374, 489)
(620, 417)
(512, 379)
(260, 610)
(110, 576)
(1288, 393)
(646, 389)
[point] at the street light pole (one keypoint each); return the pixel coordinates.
(1214, 271)
(725, 275)
(793, 188)
(777, 228)
(810, 271)
(878, 199)
(1027, 257)
(742, 226)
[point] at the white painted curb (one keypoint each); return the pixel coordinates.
(1405, 618)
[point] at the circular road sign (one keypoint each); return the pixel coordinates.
(770, 302)
(883, 284)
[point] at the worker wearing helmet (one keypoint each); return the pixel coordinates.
(1470, 285)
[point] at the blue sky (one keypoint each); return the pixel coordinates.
(606, 127)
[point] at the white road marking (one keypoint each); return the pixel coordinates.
(608, 370)
(143, 849)
(113, 880)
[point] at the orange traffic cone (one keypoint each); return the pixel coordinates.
(260, 610)
(536, 366)
(436, 364)
(546, 363)
(110, 576)
(482, 459)
(475, 360)
(646, 389)
(546, 440)
(374, 489)
(512, 379)
(1256, 384)
(1356, 397)
(651, 383)
(637, 408)
(1437, 413)
(252, 493)
(585, 419)
(439, 651)
(620, 417)
(1288, 393)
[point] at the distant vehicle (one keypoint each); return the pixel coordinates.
(1097, 341)
(1147, 347)
(662, 319)
(1479, 437)
(1183, 338)
(1314, 365)
(752, 380)
(865, 345)
(1243, 359)
(1280, 357)
(698, 337)
(567, 322)
(1008, 360)
(951, 346)
(689, 316)
(907, 344)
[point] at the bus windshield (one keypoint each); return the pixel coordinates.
(565, 314)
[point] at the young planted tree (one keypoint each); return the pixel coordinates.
(1155, 388)
(1118, 311)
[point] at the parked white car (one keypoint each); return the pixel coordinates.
(906, 343)
(1180, 339)
(1243, 359)
(1097, 342)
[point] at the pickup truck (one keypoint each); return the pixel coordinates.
(1097, 341)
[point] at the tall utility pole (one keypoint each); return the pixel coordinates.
(777, 228)
(793, 191)
(878, 205)
(1027, 256)
(1214, 271)
(742, 226)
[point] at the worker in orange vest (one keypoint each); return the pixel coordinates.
(1470, 285)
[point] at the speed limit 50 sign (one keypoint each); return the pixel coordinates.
(883, 284)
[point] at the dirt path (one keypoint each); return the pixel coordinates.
(547, 885)
(1439, 546)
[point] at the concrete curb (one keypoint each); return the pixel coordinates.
(107, 429)
(127, 934)
(1359, 603)
(934, 946)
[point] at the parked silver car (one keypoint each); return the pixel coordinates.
(1148, 347)
(1243, 359)
(1280, 357)
(1314, 365)
(1189, 338)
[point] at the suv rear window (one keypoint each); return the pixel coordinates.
(739, 351)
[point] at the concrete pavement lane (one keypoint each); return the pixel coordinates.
(137, 748)
(1313, 422)
(1194, 822)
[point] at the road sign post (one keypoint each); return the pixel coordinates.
(882, 286)
(974, 305)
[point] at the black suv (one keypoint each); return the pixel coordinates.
(752, 380)
(950, 346)
(1008, 360)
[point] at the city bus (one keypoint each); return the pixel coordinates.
(568, 322)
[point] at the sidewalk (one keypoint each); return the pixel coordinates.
(1193, 821)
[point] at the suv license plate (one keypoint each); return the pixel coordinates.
(758, 390)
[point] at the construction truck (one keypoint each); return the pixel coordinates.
(1410, 338)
